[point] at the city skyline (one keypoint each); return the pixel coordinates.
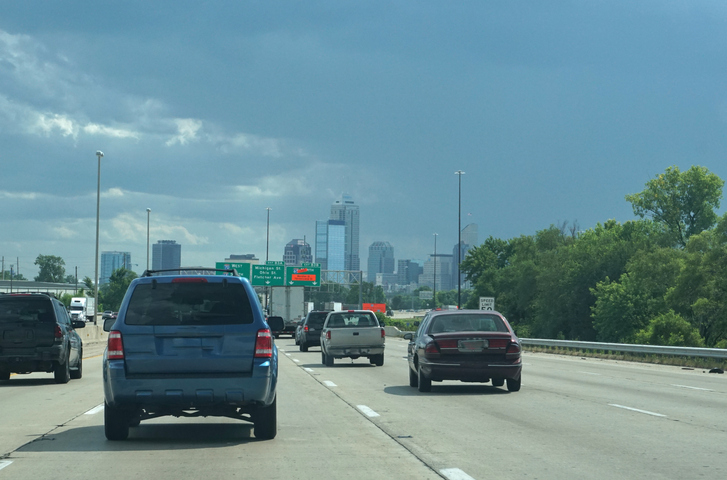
(553, 118)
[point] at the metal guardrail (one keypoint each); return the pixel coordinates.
(630, 348)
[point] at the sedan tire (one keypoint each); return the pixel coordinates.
(513, 385)
(424, 383)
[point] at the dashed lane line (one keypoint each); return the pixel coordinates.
(455, 474)
(367, 411)
(95, 409)
(329, 383)
(692, 388)
(637, 410)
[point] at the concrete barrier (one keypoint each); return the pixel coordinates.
(92, 334)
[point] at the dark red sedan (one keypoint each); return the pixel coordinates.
(465, 345)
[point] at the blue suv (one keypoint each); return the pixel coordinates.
(190, 345)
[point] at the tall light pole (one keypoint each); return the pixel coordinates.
(99, 154)
(268, 290)
(148, 212)
(434, 284)
(459, 173)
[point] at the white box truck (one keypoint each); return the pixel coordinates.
(287, 302)
(82, 308)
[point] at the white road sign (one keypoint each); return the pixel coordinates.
(487, 303)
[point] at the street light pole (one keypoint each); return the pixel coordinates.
(267, 249)
(148, 212)
(99, 154)
(459, 173)
(434, 284)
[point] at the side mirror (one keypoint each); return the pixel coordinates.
(276, 324)
(108, 324)
(78, 323)
(408, 336)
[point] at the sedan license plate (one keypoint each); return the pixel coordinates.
(472, 345)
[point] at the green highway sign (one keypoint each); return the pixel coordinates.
(272, 262)
(268, 275)
(242, 268)
(304, 276)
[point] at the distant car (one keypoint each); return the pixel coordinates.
(106, 314)
(298, 329)
(190, 345)
(38, 335)
(465, 345)
(310, 331)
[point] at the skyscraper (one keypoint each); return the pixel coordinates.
(321, 244)
(345, 210)
(297, 251)
(381, 260)
(111, 261)
(166, 254)
(336, 245)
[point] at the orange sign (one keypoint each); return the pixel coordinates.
(296, 277)
(375, 307)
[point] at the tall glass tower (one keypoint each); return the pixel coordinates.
(346, 211)
(111, 261)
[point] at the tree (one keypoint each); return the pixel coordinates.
(88, 282)
(52, 269)
(113, 292)
(15, 275)
(670, 329)
(684, 202)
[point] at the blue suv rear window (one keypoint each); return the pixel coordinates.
(189, 304)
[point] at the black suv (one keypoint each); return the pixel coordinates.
(310, 331)
(37, 335)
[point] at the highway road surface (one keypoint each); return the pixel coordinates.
(574, 418)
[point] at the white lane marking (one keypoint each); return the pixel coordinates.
(367, 411)
(5, 463)
(287, 354)
(455, 474)
(637, 410)
(296, 360)
(692, 388)
(95, 410)
(590, 373)
(308, 369)
(329, 383)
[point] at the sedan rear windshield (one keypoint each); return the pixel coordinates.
(189, 304)
(348, 319)
(467, 323)
(20, 309)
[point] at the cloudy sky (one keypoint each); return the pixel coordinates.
(209, 112)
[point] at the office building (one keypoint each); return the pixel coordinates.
(111, 261)
(408, 272)
(443, 273)
(348, 212)
(336, 245)
(166, 254)
(296, 252)
(321, 244)
(381, 260)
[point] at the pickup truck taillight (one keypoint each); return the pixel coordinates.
(383, 333)
(264, 344)
(115, 346)
(328, 335)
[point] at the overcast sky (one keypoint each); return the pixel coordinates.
(209, 112)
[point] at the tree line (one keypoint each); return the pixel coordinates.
(660, 279)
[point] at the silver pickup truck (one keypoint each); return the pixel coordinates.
(353, 334)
